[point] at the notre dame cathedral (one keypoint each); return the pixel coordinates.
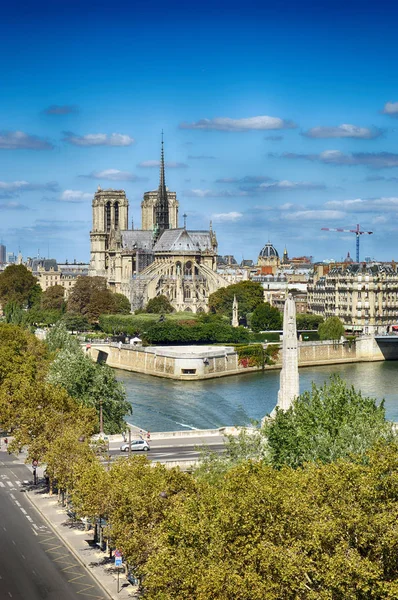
(160, 258)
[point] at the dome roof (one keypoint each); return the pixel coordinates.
(268, 251)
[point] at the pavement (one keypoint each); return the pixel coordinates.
(81, 543)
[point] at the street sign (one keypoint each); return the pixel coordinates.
(118, 554)
(118, 561)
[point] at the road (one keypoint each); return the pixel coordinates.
(174, 449)
(34, 562)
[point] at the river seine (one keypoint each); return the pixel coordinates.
(169, 405)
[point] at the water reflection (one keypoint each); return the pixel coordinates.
(168, 405)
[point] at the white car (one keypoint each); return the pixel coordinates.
(136, 445)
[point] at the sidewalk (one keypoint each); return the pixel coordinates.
(81, 544)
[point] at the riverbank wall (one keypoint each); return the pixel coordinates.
(207, 362)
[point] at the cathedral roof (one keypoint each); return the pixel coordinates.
(181, 240)
(137, 238)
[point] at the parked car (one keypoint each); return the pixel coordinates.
(136, 445)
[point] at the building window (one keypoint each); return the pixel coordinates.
(116, 215)
(108, 216)
(188, 371)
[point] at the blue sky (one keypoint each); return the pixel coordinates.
(279, 118)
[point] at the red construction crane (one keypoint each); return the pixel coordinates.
(357, 232)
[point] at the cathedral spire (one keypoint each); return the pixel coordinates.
(162, 202)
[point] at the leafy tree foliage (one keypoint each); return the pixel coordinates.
(53, 298)
(176, 333)
(331, 329)
(42, 317)
(266, 318)
(329, 422)
(75, 322)
(323, 532)
(307, 321)
(18, 285)
(159, 304)
(90, 384)
(13, 313)
(122, 304)
(249, 294)
(91, 298)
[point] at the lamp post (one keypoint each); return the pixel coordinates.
(101, 421)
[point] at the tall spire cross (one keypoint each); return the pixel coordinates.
(162, 202)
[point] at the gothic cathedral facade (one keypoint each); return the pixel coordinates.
(161, 258)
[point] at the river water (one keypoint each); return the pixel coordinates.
(170, 405)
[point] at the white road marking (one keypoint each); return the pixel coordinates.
(2, 484)
(35, 532)
(23, 556)
(12, 496)
(10, 483)
(17, 503)
(23, 510)
(29, 518)
(35, 526)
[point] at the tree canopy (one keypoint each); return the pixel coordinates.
(331, 329)
(53, 298)
(327, 423)
(17, 284)
(91, 384)
(159, 304)
(249, 294)
(91, 298)
(266, 318)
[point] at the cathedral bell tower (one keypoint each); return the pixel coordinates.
(110, 217)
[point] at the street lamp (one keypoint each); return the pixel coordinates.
(101, 421)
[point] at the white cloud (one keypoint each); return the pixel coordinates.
(113, 175)
(199, 193)
(9, 189)
(375, 160)
(150, 164)
(99, 139)
(366, 204)
(343, 131)
(391, 109)
(13, 206)
(75, 196)
(18, 140)
(261, 123)
(287, 186)
(314, 215)
(231, 216)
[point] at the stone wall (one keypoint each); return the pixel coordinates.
(190, 363)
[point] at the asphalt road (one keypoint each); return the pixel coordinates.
(34, 562)
(178, 449)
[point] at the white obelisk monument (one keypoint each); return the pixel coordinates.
(289, 379)
(235, 316)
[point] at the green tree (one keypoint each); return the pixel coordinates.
(307, 321)
(75, 322)
(331, 329)
(91, 384)
(122, 304)
(327, 423)
(13, 313)
(249, 294)
(53, 298)
(160, 305)
(266, 317)
(18, 285)
(91, 298)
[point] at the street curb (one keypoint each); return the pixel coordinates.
(70, 548)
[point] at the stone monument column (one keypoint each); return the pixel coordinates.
(289, 378)
(235, 317)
